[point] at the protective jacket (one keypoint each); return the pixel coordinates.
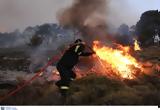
(71, 56)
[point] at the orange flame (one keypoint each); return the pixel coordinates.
(136, 46)
(119, 60)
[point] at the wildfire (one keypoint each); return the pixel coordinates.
(136, 45)
(118, 60)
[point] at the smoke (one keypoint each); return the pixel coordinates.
(52, 45)
(54, 39)
(123, 12)
(88, 16)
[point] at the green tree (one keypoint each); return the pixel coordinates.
(147, 26)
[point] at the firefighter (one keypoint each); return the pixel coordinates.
(68, 61)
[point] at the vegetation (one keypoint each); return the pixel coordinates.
(35, 41)
(91, 90)
(148, 26)
(14, 59)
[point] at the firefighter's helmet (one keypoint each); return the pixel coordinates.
(78, 41)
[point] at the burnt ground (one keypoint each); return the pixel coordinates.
(17, 59)
(13, 59)
(90, 90)
(151, 54)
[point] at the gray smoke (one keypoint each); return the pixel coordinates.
(122, 12)
(52, 45)
(88, 16)
(20, 14)
(54, 40)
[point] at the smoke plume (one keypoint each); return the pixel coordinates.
(88, 16)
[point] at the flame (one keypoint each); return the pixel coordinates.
(118, 60)
(136, 46)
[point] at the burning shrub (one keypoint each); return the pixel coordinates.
(116, 62)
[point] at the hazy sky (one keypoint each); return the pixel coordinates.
(129, 11)
(22, 13)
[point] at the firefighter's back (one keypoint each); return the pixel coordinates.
(70, 58)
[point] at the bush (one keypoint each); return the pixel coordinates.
(91, 90)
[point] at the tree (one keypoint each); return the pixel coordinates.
(123, 30)
(133, 30)
(35, 41)
(123, 35)
(44, 29)
(147, 26)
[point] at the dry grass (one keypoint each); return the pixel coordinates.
(92, 90)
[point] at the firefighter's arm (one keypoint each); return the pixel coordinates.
(87, 53)
(80, 51)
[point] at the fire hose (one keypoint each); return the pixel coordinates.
(54, 58)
